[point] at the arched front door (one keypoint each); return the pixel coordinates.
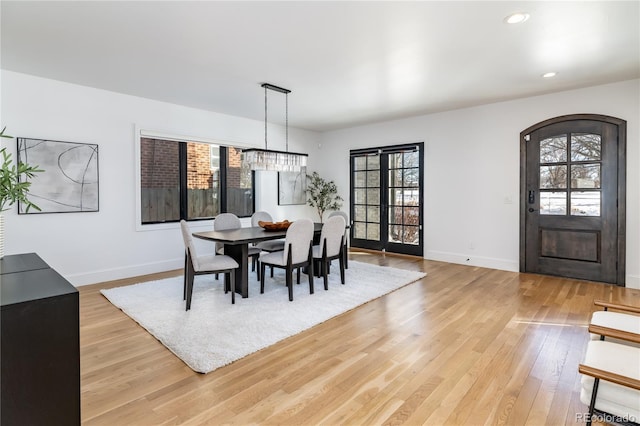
(572, 198)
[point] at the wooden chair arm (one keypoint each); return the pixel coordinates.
(617, 306)
(615, 333)
(609, 377)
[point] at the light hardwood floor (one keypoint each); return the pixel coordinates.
(464, 345)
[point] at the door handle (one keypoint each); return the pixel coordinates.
(531, 210)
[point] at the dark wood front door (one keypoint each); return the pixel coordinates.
(572, 220)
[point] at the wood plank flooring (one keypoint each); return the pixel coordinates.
(463, 346)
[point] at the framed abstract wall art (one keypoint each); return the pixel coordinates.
(292, 187)
(69, 181)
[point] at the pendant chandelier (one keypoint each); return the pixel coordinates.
(268, 159)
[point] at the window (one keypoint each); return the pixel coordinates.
(386, 198)
(191, 181)
(570, 175)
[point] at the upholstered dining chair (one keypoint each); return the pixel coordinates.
(201, 265)
(296, 254)
(225, 221)
(271, 245)
(346, 235)
(331, 247)
(610, 384)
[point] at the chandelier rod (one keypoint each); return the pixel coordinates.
(286, 92)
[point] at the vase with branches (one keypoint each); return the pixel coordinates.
(12, 189)
(323, 195)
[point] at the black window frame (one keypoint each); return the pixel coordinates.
(182, 171)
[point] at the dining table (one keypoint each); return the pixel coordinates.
(236, 245)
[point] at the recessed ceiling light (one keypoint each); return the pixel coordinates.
(516, 18)
(549, 74)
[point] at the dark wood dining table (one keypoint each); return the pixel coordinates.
(236, 245)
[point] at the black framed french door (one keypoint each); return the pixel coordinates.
(386, 186)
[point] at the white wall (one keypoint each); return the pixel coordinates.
(472, 166)
(93, 247)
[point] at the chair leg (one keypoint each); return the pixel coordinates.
(298, 276)
(190, 287)
(184, 280)
(232, 280)
(346, 256)
(342, 262)
(325, 273)
(290, 283)
(311, 276)
(262, 271)
(592, 405)
(272, 272)
(257, 269)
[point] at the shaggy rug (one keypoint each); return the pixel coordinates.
(215, 333)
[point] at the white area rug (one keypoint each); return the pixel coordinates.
(215, 333)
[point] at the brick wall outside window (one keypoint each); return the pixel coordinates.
(159, 163)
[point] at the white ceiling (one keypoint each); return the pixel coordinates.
(346, 63)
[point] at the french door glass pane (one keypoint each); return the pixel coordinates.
(410, 235)
(360, 213)
(360, 196)
(373, 213)
(395, 177)
(553, 177)
(554, 149)
(373, 178)
(585, 147)
(360, 163)
(360, 230)
(412, 177)
(411, 159)
(373, 196)
(373, 162)
(360, 179)
(585, 203)
(411, 215)
(553, 203)
(395, 233)
(585, 176)
(395, 161)
(373, 231)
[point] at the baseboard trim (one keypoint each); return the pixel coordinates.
(632, 281)
(472, 260)
(113, 274)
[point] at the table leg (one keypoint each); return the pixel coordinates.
(240, 253)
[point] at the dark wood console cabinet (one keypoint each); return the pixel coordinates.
(39, 344)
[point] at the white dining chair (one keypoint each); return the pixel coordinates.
(201, 265)
(296, 254)
(346, 235)
(331, 247)
(226, 221)
(271, 245)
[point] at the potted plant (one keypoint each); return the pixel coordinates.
(12, 189)
(323, 195)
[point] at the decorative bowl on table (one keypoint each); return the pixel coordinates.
(274, 226)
